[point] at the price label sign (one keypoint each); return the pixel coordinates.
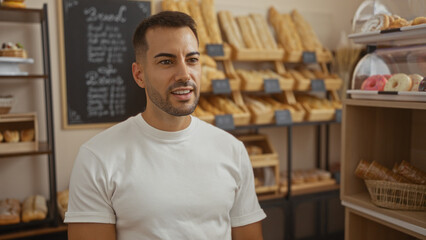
(309, 57)
(271, 86)
(215, 50)
(339, 115)
(283, 117)
(221, 86)
(318, 85)
(226, 121)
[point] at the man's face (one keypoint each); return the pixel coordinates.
(171, 70)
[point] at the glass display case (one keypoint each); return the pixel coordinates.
(391, 74)
(390, 22)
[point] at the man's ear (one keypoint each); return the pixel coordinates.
(138, 76)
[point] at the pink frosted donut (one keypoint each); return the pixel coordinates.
(399, 82)
(374, 83)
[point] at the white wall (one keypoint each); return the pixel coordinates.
(21, 177)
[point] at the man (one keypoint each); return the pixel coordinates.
(164, 174)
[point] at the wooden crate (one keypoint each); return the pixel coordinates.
(316, 115)
(257, 83)
(240, 119)
(234, 83)
(19, 122)
(269, 158)
(227, 50)
(297, 56)
(333, 83)
(247, 54)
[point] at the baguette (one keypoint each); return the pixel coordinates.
(195, 13)
(169, 5)
(246, 33)
(265, 34)
(228, 29)
(182, 6)
(310, 40)
(209, 13)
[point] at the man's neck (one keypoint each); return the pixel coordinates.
(167, 122)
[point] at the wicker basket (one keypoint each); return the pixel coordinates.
(403, 196)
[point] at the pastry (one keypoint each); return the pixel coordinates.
(9, 49)
(411, 173)
(11, 136)
(416, 79)
(398, 23)
(374, 83)
(13, 3)
(422, 85)
(398, 82)
(418, 20)
(27, 135)
(376, 23)
(10, 210)
(34, 208)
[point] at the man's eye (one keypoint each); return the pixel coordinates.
(166, 62)
(193, 60)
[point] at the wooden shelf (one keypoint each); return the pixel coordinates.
(385, 104)
(34, 232)
(43, 148)
(409, 222)
(20, 15)
(33, 76)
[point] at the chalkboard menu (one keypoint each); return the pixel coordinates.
(98, 54)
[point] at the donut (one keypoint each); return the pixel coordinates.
(399, 82)
(376, 23)
(374, 83)
(416, 79)
(398, 23)
(422, 85)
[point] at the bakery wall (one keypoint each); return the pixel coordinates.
(21, 177)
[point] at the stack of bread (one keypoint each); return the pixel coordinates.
(217, 105)
(33, 208)
(403, 172)
(14, 136)
(294, 33)
(247, 32)
(262, 108)
(204, 14)
(383, 21)
(253, 80)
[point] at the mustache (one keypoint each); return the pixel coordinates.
(182, 84)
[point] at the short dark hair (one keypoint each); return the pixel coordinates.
(172, 19)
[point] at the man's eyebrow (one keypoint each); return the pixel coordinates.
(165, 55)
(193, 53)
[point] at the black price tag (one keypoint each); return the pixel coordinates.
(221, 86)
(388, 92)
(309, 57)
(226, 121)
(271, 86)
(318, 85)
(339, 115)
(283, 117)
(215, 50)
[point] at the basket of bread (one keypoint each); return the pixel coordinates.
(9, 49)
(403, 187)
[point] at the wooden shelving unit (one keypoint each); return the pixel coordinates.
(387, 132)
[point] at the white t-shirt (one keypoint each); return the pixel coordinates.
(196, 183)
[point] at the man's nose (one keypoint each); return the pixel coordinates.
(182, 73)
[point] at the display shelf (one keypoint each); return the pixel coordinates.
(385, 104)
(34, 232)
(43, 148)
(389, 96)
(30, 76)
(309, 188)
(409, 222)
(21, 15)
(410, 35)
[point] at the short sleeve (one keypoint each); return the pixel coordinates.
(89, 191)
(246, 208)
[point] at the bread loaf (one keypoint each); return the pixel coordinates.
(228, 30)
(9, 211)
(206, 60)
(183, 6)
(1, 137)
(169, 5)
(27, 135)
(265, 35)
(310, 40)
(285, 30)
(34, 208)
(11, 136)
(210, 18)
(195, 13)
